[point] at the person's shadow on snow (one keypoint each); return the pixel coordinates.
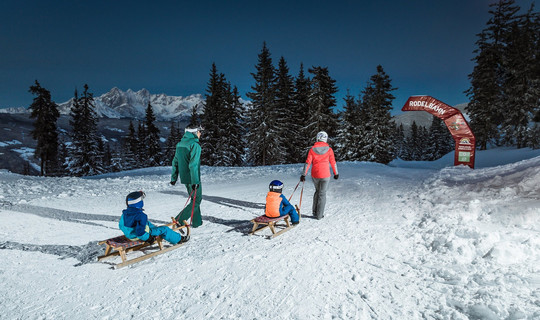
(233, 203)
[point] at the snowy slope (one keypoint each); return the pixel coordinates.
(405, 241)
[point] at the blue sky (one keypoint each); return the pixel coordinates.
(168, 47)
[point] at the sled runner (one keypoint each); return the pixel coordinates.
(120, 246)
(267, 222)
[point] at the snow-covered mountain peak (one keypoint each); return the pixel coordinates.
(132, 104)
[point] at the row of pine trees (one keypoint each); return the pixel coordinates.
(284, 114)
(505, 82)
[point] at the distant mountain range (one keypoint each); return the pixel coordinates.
(117, 104)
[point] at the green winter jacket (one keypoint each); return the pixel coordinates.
(187, 160)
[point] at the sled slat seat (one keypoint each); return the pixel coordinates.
(121, 245)
(266, 219)
(122, 241)
(268, 222)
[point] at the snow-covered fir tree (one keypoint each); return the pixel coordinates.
(234, 130)
(439, 142)
(413, 144)
(131, 145)
(264, 139)
(194, 119)
(141, 145)
(45, 112)
(151, 139)
(487, 108)
(85, 158)
(321, 103)
(287, 124)
(377, 141)
(399, 142)
(302, 92)
(212, 119)
(170, 144)
(521, 85)
(349, 133)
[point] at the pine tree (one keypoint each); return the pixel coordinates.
(377, 141)
(213, 117)
(322, 101)
(236, 130)
(300, 113)
(349, 134)
(152, 143)
(263, 137)
(413, 143)
(194, 119)
(141, 146)
(399, 142)
(170, 144)
(287, 124)
(521, 85)
(46, 113)
(85, 155)
(440, 140)
(131, 145)
(486, 108)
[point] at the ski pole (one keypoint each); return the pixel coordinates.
(300, 204)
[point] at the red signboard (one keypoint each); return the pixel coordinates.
(455, 122)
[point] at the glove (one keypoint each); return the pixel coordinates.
(194, 186)
(302, 178)
(151, 239)
(336, 176)
(173, 183)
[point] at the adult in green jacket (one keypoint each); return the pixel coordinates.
(187, 164)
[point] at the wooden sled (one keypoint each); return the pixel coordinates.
(267, 222)
(120, 246)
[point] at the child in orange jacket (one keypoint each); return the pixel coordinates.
(277, 205)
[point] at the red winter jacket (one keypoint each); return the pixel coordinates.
(321, 155)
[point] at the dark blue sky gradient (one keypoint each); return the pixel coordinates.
(425, 46)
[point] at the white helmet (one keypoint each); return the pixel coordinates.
(322, 136)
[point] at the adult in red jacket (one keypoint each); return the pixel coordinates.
(320, 158)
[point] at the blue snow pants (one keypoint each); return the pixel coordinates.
(166, 233)
(289, 210)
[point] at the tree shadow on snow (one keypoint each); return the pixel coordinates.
(70, 216)
(84, 254)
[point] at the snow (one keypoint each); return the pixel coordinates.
(9, 143)
(411, 240)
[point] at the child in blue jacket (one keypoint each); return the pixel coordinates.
(277, 205)
(135, 225)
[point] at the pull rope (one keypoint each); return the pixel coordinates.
(294, 191)
(193, 206)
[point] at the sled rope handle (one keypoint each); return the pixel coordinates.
(294, 190)
(193, 206)
(301, 194)
(187, 201)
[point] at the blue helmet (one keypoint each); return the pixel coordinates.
(135, 199)
(276, 186)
